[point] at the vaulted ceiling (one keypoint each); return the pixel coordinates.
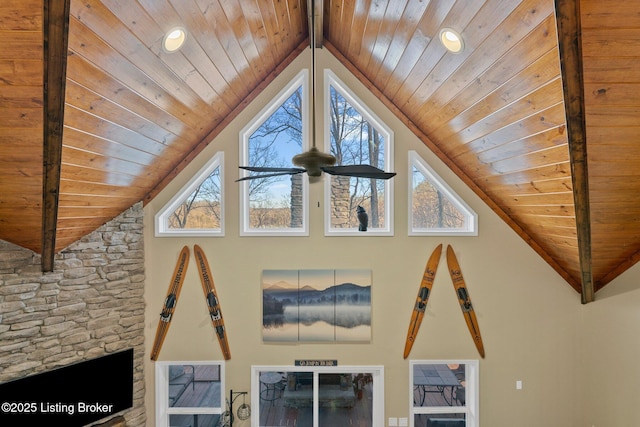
(539, 115)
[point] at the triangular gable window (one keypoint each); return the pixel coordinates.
(434, 208)
(276, 205)
(197, 209)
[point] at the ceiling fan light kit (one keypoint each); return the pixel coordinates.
(313, 160)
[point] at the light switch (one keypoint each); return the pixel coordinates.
(393, 422)
(404, 422)
(518, 385)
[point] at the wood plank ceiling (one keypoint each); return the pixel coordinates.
(496, 113)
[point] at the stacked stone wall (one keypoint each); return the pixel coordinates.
(341, 196)
(90, 305)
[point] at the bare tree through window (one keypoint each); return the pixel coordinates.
(197, 209)
(431, 208)
(434, 207)
(276, 202)
(202, 208)
(355, 140)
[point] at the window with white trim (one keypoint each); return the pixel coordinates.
(312, 396)
(434, 208)
(197, 208)
(189, 393)
(355, 135)
(444, 393)
(276, 205)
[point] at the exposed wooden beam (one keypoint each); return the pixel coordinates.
(55, 42)
(570, 46)
(566, 275)
(315, 10)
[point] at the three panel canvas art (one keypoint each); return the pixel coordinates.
(316, 305)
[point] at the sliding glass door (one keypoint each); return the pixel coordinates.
(318, 396)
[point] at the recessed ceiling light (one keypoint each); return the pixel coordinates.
(174, 39)
(451, 40)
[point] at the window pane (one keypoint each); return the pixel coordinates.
(444, 393)
(354, 140)
(194, 420)
(194, 386)
(201, 209)
(439, 420)
(197, 208)
(438, 385)
(286, 398)
(276, 202)
(355, 136)
(431, 207)
(346, 399)
(435, 208)
(345, 396)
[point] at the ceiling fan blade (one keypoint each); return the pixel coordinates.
(267, 169)
(358, 171)
(289, 171)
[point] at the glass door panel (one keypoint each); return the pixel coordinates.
(318, 396)
(345, 399)
(286, 398)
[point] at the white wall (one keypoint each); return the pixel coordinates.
(610, 353)
(529, 317)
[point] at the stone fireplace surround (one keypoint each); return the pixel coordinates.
(91, 305)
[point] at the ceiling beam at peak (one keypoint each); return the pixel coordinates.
(570, 46)
(315, 10)
(55, 43)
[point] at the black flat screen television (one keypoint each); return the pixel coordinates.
(73, 395)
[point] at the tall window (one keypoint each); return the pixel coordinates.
(317, 396)
(197, 209)
(189, 393)
(276, 204)
(434, 208)
(356, 136)
(444, 393)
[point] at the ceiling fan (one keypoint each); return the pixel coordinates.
(314, 161)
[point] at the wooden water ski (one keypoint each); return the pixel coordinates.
(170, 301)
(465, 300)
(213, 303)
(423, 296)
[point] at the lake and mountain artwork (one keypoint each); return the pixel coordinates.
(316, 305)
